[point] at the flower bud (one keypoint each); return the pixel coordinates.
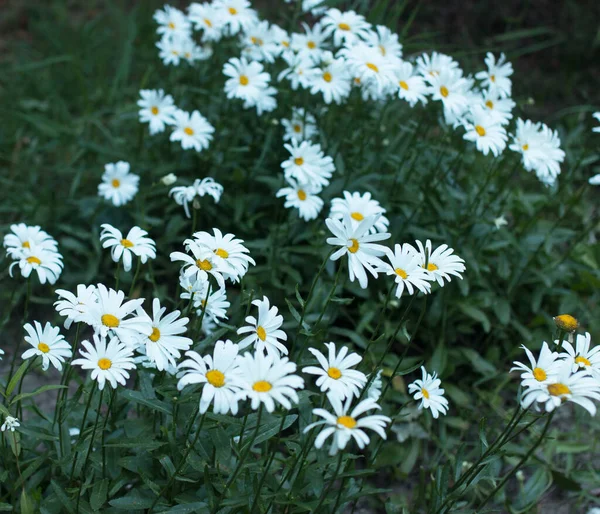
(566, 322)
(169, 179)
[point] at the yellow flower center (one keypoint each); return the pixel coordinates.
(431, 267)
(401, 273)
(215, 378)
(493, 78)
(155, 335)
(154, 110)
(334, 373)
(425, 393)
(539, 374)
(232, 11)
(262, 386)
(480, 130)
(33, 260)
(261, 333)
(104, 363)
(126, 243)
(444, 91)
(208, 22)
(285, 43)
(580, 359)
(525, 147)
(222, 253)
(357, 216)
(298, 161)
(244, 80)
(110, 321)
(357, 81)
(115, 182)
(327, 76)
(489, 104)
(346, 421)
(344, 26)
(171, 25)
(26, 244)
(558, 389)
(297, 128)
(373, 67)
(566, 322)
(354, 247)
(301, 195)
(311, 44)
(189, 131)
(404, 85)
(204, 265)
(43, 347)
(174, 52)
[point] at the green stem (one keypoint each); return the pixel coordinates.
(83, 420)
(137, 272)
(330, 484)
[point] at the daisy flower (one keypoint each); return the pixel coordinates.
(582, 357)
(205, 17)
(165, 343)
(170, 49)
(201, 263)
(499, 109)
(441, 263)
(369, 66)
(434, 64)
(359, 245)
(428, 390)
(358, 207)
(185, 194)
(75, 306)
(215, 307)
(335, 374)
(108, 362)
(302, 197)
(595, 180)
(265, 330)
(488, 135)
(118, 185)
(302, 126)
(299, 72)
(266, 379)
(247, 80)
(135, 243)
(10, 423)
(235, 15)
(157, 109)
(333, 81)
(405, 267)
(542, 370)
(110, 314)
(220, 375)
(346, 27)
(411, 87)
(193, 130)
(281, 39)
(23, 236)
(449, 87)
(172, 22)
(46, 263)
(311, 44)
(374, 390)
(1, 353)
(344, 425)
(566, 386)
(48, 344)
(386, 41)
(597, 116)
(230, 254)
(307, 164)
(265, 102)
(257, 42)
(495, 79)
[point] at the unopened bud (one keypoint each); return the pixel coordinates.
(566, 322)
(169, 179)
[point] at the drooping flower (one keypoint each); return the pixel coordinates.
(75, 306)
(183, 195)
(10, 423)
(582, 356)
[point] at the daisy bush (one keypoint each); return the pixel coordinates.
(291, 259)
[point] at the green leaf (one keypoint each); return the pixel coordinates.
(134, 501)
(16, 377)
(99, 494)
(7, 507)
(476, 314)
(140, 444)
(27, 505)
(37, 391)
(153, 404)
(62, 496)
(187, 508)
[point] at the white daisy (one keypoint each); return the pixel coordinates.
(247, 80)
(411, 86)
(488, 135)
(499, 109)
(582, 356)
(220, 375)
(205, 17)
(266, 378)
(434, 64)
(450, 87)
(299, 72)
(183, 195)
(46, 263)
(23, 236)
(333, 81)
(363, 254)
(386, 41)
(405, 267)
(193, 130)
(170, 49)
(108, 362)
(595, 180)
(257, 42)
(495, 79)
(441, 263)
(281, 39)
(172, 22)
(428, 390)
(367, 64)
(597, 116)
(235, 15)
(302, 197)
(346, 27)
(135, 243)
(48, 343)
(265, 102)
(542, 370)
(374, 389)
(265, 333)
(157, 109)
(311, 44)
(10, 423)
(74, 306)
(358, 207)
(302, 126)
(344, 425)
(335, 374)
(118, 185)
(215, 306)
(202, 262)
(308, 164)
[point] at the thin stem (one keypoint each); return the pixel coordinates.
(117, 275)
(330, 484)
(108, 411)
(83, 420)
(137, 272)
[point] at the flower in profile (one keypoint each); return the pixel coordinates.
(10, 423)
(411, 86)
(47, 343)
(302, 197)
(172, 22)
(441, 263)
(183, 195)
(487, 135)
(230, 254)
(23, 236)
(405, 267)
(247, 80)
(165, 343)
(346, 27)
(302, 126)
(374, 389)
(495, 79)
(192, 129)
(75, 306)
(307, 163)
(264, 331)
(108, 362)
(582, 357)
(542, 370)
(333, 80)
(434, 64)
(135, 243)
(266, 379)
(359, 245)
(46, 263)
(335, 374)
(220, 375)
(235, 15)
(201, 263)
(566, 322)
(345, 424)
(157, 109)
(428, 390)
(118, 185)
(358, 207)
